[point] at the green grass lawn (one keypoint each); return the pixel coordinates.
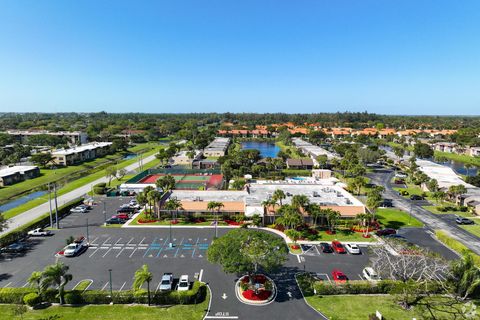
(343, 235)
(394, 218)
(113, 312)
(291, 150)
(356, 307)
(472, 228)
(434, 209)
(456, 245)
(459, 158)
(167, 222)
(73, 185)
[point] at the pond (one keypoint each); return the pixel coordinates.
(129, 156)
(267, 149)
(15, 203)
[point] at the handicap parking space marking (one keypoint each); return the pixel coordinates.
(151, 246)
(163, 247)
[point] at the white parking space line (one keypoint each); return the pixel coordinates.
(360, 276)
(106, 252)
(298, 258)
(132, 252)
(26, 284)
(129, 241)
(123, 285)
(141, 242)
(93, 242)
(220, 317)
(93, 252)
(120, 252)
(201, 275)
(118, 244)
(105, 242)
(8, 284)
(106, 284)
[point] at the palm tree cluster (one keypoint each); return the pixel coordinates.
(55, 275)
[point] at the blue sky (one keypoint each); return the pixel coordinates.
(395, 57)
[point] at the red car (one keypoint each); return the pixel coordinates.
(122, 216)
(338, 247)
(339, 276)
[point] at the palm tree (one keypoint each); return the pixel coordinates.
(215, 206)
(290, 218)
(315, 212)
(174, 204)
(154, 197)
(56, 275)
(332, 218)
(300, 201)
(278, 196)
(466, 276)
(35, 281)
(142, 275)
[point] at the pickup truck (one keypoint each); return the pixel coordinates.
(39, 232)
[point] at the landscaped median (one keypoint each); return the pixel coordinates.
(456, 245)
(99, 308)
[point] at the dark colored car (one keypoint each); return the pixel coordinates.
(338, 247)
(416, 197)
(326, 247)
(387, 203)
(395, 236)
(15, 248)
(115, 221)
(462, 220)
(126, 210)
(386, 231)
(122, 216)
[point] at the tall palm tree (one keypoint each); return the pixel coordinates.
(35, 281)
(142, 275)
(268, 203)
(173, 204)
(215, 206)
(56, 275)
(290, 218)
(332, 218)
(315, 212)
(155, 196)
(278, 196)
(300, 201)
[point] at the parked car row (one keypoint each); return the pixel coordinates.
(124, 212)
(166, 284)
(368, 273)
(338, 247)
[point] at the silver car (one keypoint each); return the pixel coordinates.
(166, 283)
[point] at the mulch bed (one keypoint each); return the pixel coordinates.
(260, 296)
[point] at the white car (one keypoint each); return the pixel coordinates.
(183, 284)
(370, 274)
(400, 175)
(72, 249)
(39, 232)
(78, 210)
(166, 283)
(353, 248)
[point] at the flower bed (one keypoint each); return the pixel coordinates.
(232, 222)
(147, 220)
(262, 295)
(259, 278)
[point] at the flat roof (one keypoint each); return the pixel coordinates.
(209, 195)
(81, 148)
(311, 149)
(5, 172)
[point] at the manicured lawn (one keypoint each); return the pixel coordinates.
(394, 218)
(459, 158)
(343, 235)
(455, 245)
(82, 285)
(114, 312)
(291, 150)
(72, 185)
(355, 307)
(472, 228)
(434, 209)
(167, 222)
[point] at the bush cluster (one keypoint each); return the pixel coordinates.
(452, 208)
(100, 188)
(21, 232)
(29, 296)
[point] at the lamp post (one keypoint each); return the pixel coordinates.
(104, 212)
(111, 290)
(50, 205)
(56, 205)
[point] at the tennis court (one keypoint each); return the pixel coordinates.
(187, 181)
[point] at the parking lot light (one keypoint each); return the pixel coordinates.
(88, 241)
(104, 212)
(111, 290)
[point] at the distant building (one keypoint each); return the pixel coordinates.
(448, 147)
(12, 175)
(182, 158)
(321, 173)
(217, 148)
(75, 137)
(473, 151)
(300, 164)
(79, 154)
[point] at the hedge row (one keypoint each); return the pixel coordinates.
(40, 222)
(310, 287)
(456, 245)
(195, 295)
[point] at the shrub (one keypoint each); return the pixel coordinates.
(100, 188)
(32, 299)
(73, 297)
(14, 295)
(244, 285)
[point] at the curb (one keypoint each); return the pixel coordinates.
(252, 303)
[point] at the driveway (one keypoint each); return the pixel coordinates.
(432, 221)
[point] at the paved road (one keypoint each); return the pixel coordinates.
(432, 221)
(38, 211)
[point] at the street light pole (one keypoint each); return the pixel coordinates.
(216, 222)
(104, 212)
(50, 205)
(56, 205)
(111, 290)
(88, 241)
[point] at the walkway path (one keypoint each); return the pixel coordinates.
(40, 210)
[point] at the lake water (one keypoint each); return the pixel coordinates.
(267, 149)
(129, 156)
(15, 203)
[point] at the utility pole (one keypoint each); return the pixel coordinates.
(50, 205)
(56, 205)
(111, 290)
(88, 238)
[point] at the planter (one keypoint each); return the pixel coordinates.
(262, 292)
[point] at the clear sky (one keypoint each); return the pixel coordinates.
(383, 56)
